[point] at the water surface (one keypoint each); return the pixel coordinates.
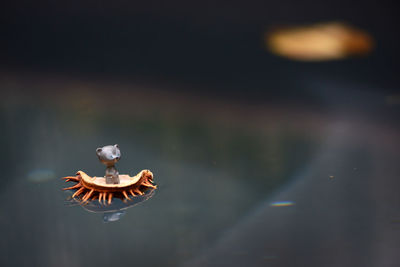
(261, 185)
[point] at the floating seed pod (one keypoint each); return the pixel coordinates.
(95, 188)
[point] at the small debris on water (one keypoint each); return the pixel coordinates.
(331, 176)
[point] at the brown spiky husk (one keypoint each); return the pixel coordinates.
(92, 188)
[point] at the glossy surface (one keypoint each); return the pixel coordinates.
(261, 184)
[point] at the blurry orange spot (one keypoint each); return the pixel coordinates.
(325, 41)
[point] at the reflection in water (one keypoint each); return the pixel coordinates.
(113, 216)
(116, 209)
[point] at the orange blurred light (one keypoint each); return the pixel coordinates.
(324, 41)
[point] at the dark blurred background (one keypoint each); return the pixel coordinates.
(203, 42)
(261, 160)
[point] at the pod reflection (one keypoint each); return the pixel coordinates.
(114, 211)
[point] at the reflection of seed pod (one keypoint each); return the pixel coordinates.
(117, 204)
(325, 41)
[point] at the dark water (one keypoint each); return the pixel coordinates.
(222, 166)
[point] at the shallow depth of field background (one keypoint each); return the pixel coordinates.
(260, 160)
